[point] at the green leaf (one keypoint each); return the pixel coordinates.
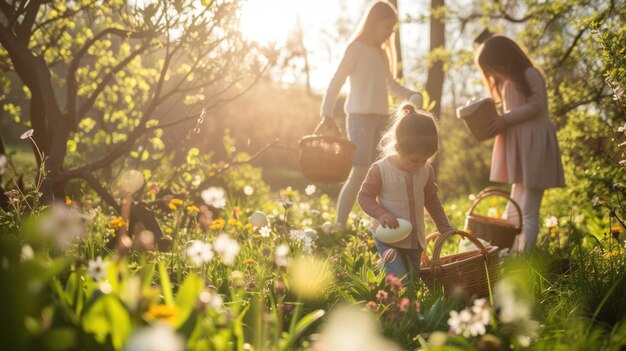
(306, 322)
(166, 286)
(107, 316)
(187, 297)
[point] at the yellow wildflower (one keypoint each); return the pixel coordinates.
(249, 261)
(174, 203)
(117, 223)
(613, 254)
(217, 224)
(288, 192)
(193, 209)
(249, 228)
(68, 201)
(169, 230)
(235, 223)
(617, 230)
(166, 313)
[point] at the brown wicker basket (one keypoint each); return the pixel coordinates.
(470, 273)
(498, 232)
(325, 158)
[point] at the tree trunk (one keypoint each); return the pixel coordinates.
(434, 82)
(398, 45)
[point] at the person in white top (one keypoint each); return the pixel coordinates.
(370, 62)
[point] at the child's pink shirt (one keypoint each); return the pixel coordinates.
(389, 189)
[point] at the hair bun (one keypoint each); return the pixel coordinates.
(408, 108)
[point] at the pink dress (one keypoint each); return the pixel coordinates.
(528, 151)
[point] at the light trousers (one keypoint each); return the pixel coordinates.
(529, 201)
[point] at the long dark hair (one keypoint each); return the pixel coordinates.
(501, 56)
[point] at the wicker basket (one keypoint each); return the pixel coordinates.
(467, 273)
(325, 158)
(498, 232)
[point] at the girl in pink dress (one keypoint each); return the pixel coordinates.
(526, 151)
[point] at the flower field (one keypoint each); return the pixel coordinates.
(243, 268)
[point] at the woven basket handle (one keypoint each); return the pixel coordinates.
(425, 260)
(327, 127)
(442, 239)
(496, 192)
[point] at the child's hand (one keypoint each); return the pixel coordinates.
(388, 221)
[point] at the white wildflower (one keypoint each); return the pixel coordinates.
(302, 238)
(97, 268)
(348, 328)
(211, 299)
(265, 232)
(471, 321)
(472, 197)
(27, 134)
(159, 337)
(280, 255)
(214, 196)
(492, 212)
(482, 310)
(227, 247)
(64, 224)
(197, 180)
(514, 310)
(248, 190)
(551, 222)
(200, 253)
(310, 189)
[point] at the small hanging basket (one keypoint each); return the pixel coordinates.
(326, 158)
(498, 232)
(469, 273)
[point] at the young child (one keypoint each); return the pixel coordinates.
(526, 151)
(402, 184)
(370, 62)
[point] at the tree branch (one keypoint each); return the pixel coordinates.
(72, 88)
(108, 78)
(24, 30)
(104, 194)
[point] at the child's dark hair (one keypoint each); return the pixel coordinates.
(412, 130)
(501, 55)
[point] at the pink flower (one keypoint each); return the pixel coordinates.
(403, 304)
(382, 296)
(372, 306)
(394, 283)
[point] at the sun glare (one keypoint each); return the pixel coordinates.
(268, 21)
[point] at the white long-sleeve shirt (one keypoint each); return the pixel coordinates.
(370, 79)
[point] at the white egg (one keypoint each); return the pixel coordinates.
(391, 235)
(258, 219)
